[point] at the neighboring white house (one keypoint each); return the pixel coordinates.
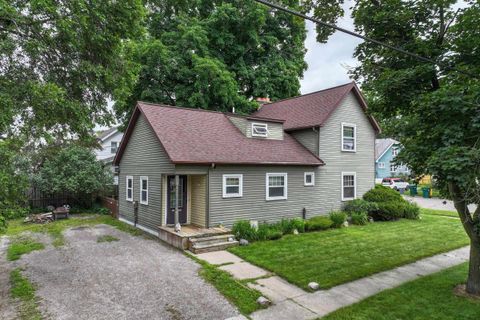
(109, 141)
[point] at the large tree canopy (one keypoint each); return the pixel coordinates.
(434, 111)
(60, 61)
(217, 54)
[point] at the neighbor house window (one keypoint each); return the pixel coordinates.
(394, 152)
(113, 146)
(232, 185)
(381, 165)
(259, 130)
(309, 179)
(349, 137)
(129, 185)
(349, 186)
(144, 190)
(393, 168)
(276, 184)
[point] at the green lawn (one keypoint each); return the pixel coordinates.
(440, 212)
(55, 229)
(341, 255)
(22, 245)
(24, 291)
(430, 297)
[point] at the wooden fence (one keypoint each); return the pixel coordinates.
(111, 204)
(39, 199)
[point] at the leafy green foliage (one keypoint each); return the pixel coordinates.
(20, 246)
(359, 205)
(243, 230)
(318, 223)
(61, 61)
(382, 194)
(338, 218)
(216, 54)
(359, 218)
(73, 169)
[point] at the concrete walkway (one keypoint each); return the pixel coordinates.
(291, 302)
(435, 203)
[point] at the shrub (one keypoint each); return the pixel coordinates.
(360, 205)
(299, 224)
(382, 194)
(388, 211)
(243, 230)
(103, 211)
(274, 234)
(411, 211)
(338, 218)
(318, 223)
(286, 226)
(15, 212)
(359, 218)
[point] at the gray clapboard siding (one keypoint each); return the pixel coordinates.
(143, 156)
(309, 138)
(362, 161)
(320, 199)
(198, 199)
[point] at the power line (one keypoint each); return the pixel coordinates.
(357, 35)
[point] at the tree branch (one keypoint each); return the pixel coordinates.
(462, 209)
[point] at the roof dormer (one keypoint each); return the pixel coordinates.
(258, 128)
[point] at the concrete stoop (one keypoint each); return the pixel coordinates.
(213, 243)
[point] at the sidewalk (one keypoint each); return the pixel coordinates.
(291, 302)
(435, 203)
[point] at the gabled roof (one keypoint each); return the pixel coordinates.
(382, 146)
(197, 136)
(313, 109)
(103, 135)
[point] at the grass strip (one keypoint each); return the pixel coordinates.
(23, 289)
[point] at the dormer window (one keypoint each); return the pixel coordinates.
(259, 130)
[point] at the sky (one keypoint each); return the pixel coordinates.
(328, 63)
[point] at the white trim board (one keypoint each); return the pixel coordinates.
(147, 230)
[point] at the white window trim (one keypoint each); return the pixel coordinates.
(240, 186)
(261, 125)
(111, 146)
(285, 187)
(143, 178)
(126, 188)
(381, 165)
(354, 126)
(354, 174)
(309, 184)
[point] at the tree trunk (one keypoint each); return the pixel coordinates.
(473, 281)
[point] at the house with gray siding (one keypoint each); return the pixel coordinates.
(186, 168)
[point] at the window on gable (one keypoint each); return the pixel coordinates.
(113, 147)
(232, 185)
(276, 184)
(129, 188)
(259, 130)
(349, 185)
(393, 168)
(144, 190)
(381, 165)
(394, 152)
(309, 179)
(349, 137)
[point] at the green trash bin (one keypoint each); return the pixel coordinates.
(426, 192)
(413, 190)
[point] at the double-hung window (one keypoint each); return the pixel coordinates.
(349, 137)
(232, 185)
(144, 190)
(309, 179)
(259, 130)
(113, 147)
(349, 186)
(276, 186)
(381, 165)
(129, 188)
(393, 168)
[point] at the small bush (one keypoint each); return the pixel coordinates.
(103, 211)
(299, 225)
(389, 211)
(318, 223)
(382, 194)
(338, 218)
(243, 230)
(359, 218)
(360, 205)
(274, 234)
(15, 212)
(411, 211)
(262, 231)
(286, 226)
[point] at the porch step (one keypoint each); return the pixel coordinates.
(213, 243)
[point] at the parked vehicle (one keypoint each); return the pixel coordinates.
(395, 183)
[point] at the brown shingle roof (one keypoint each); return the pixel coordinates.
(313, 109)
(204, 137)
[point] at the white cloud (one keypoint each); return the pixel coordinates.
(328, 63)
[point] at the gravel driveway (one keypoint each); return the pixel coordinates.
(133, 278)
(435, 203)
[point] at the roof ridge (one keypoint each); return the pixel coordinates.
(310, 93)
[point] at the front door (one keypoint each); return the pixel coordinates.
(182, 202)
